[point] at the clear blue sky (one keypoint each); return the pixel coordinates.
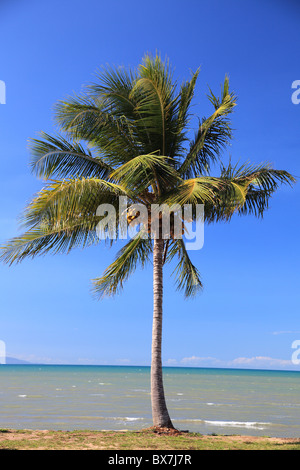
(248, 313)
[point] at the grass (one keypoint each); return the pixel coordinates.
(148, 439)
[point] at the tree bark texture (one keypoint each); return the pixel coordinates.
(160, 413)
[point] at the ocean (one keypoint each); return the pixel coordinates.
(221, 401)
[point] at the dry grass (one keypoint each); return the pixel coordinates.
(148, 439)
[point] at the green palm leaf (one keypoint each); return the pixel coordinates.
(182, 116)
(187, 276)
(156, 103)
(146, 171)
(62, 200)
(112, 136)
(55, 156)
(206, 190)
(213, 135)
(61, 237)
(136, 251)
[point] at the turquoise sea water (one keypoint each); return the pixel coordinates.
(223, 401)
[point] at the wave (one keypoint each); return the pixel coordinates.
(31, 396)
(105, 418)
(223, 404)
(235, 424)
(238, 424)
(126, 418)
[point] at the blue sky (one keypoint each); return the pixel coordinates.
(248, 313)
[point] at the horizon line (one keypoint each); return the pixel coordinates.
(147, 366)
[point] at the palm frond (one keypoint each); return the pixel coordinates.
(154, 92)
(205, 190)
(186, 96)
(182, 116)
(144, 171)
(55, 156)
(213, 135)
(187, 276)
(135, 252)
(75, 198)
(62, 216)
(252, 187)
(61, 237)
(261, 182)
(113, 88)
(112, 136)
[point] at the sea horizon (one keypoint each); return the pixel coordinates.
(25, 363)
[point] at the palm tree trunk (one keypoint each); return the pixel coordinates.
(160, 413)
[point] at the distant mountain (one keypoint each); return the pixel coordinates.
(13, 360)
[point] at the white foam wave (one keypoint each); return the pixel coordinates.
(234, 424)
(127, 418)
(219, 404)
(238, 424)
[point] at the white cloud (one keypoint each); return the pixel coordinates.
(254, 362)
(285, 332)
(200, 361)
(261, 361)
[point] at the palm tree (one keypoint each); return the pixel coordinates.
(127, 135)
